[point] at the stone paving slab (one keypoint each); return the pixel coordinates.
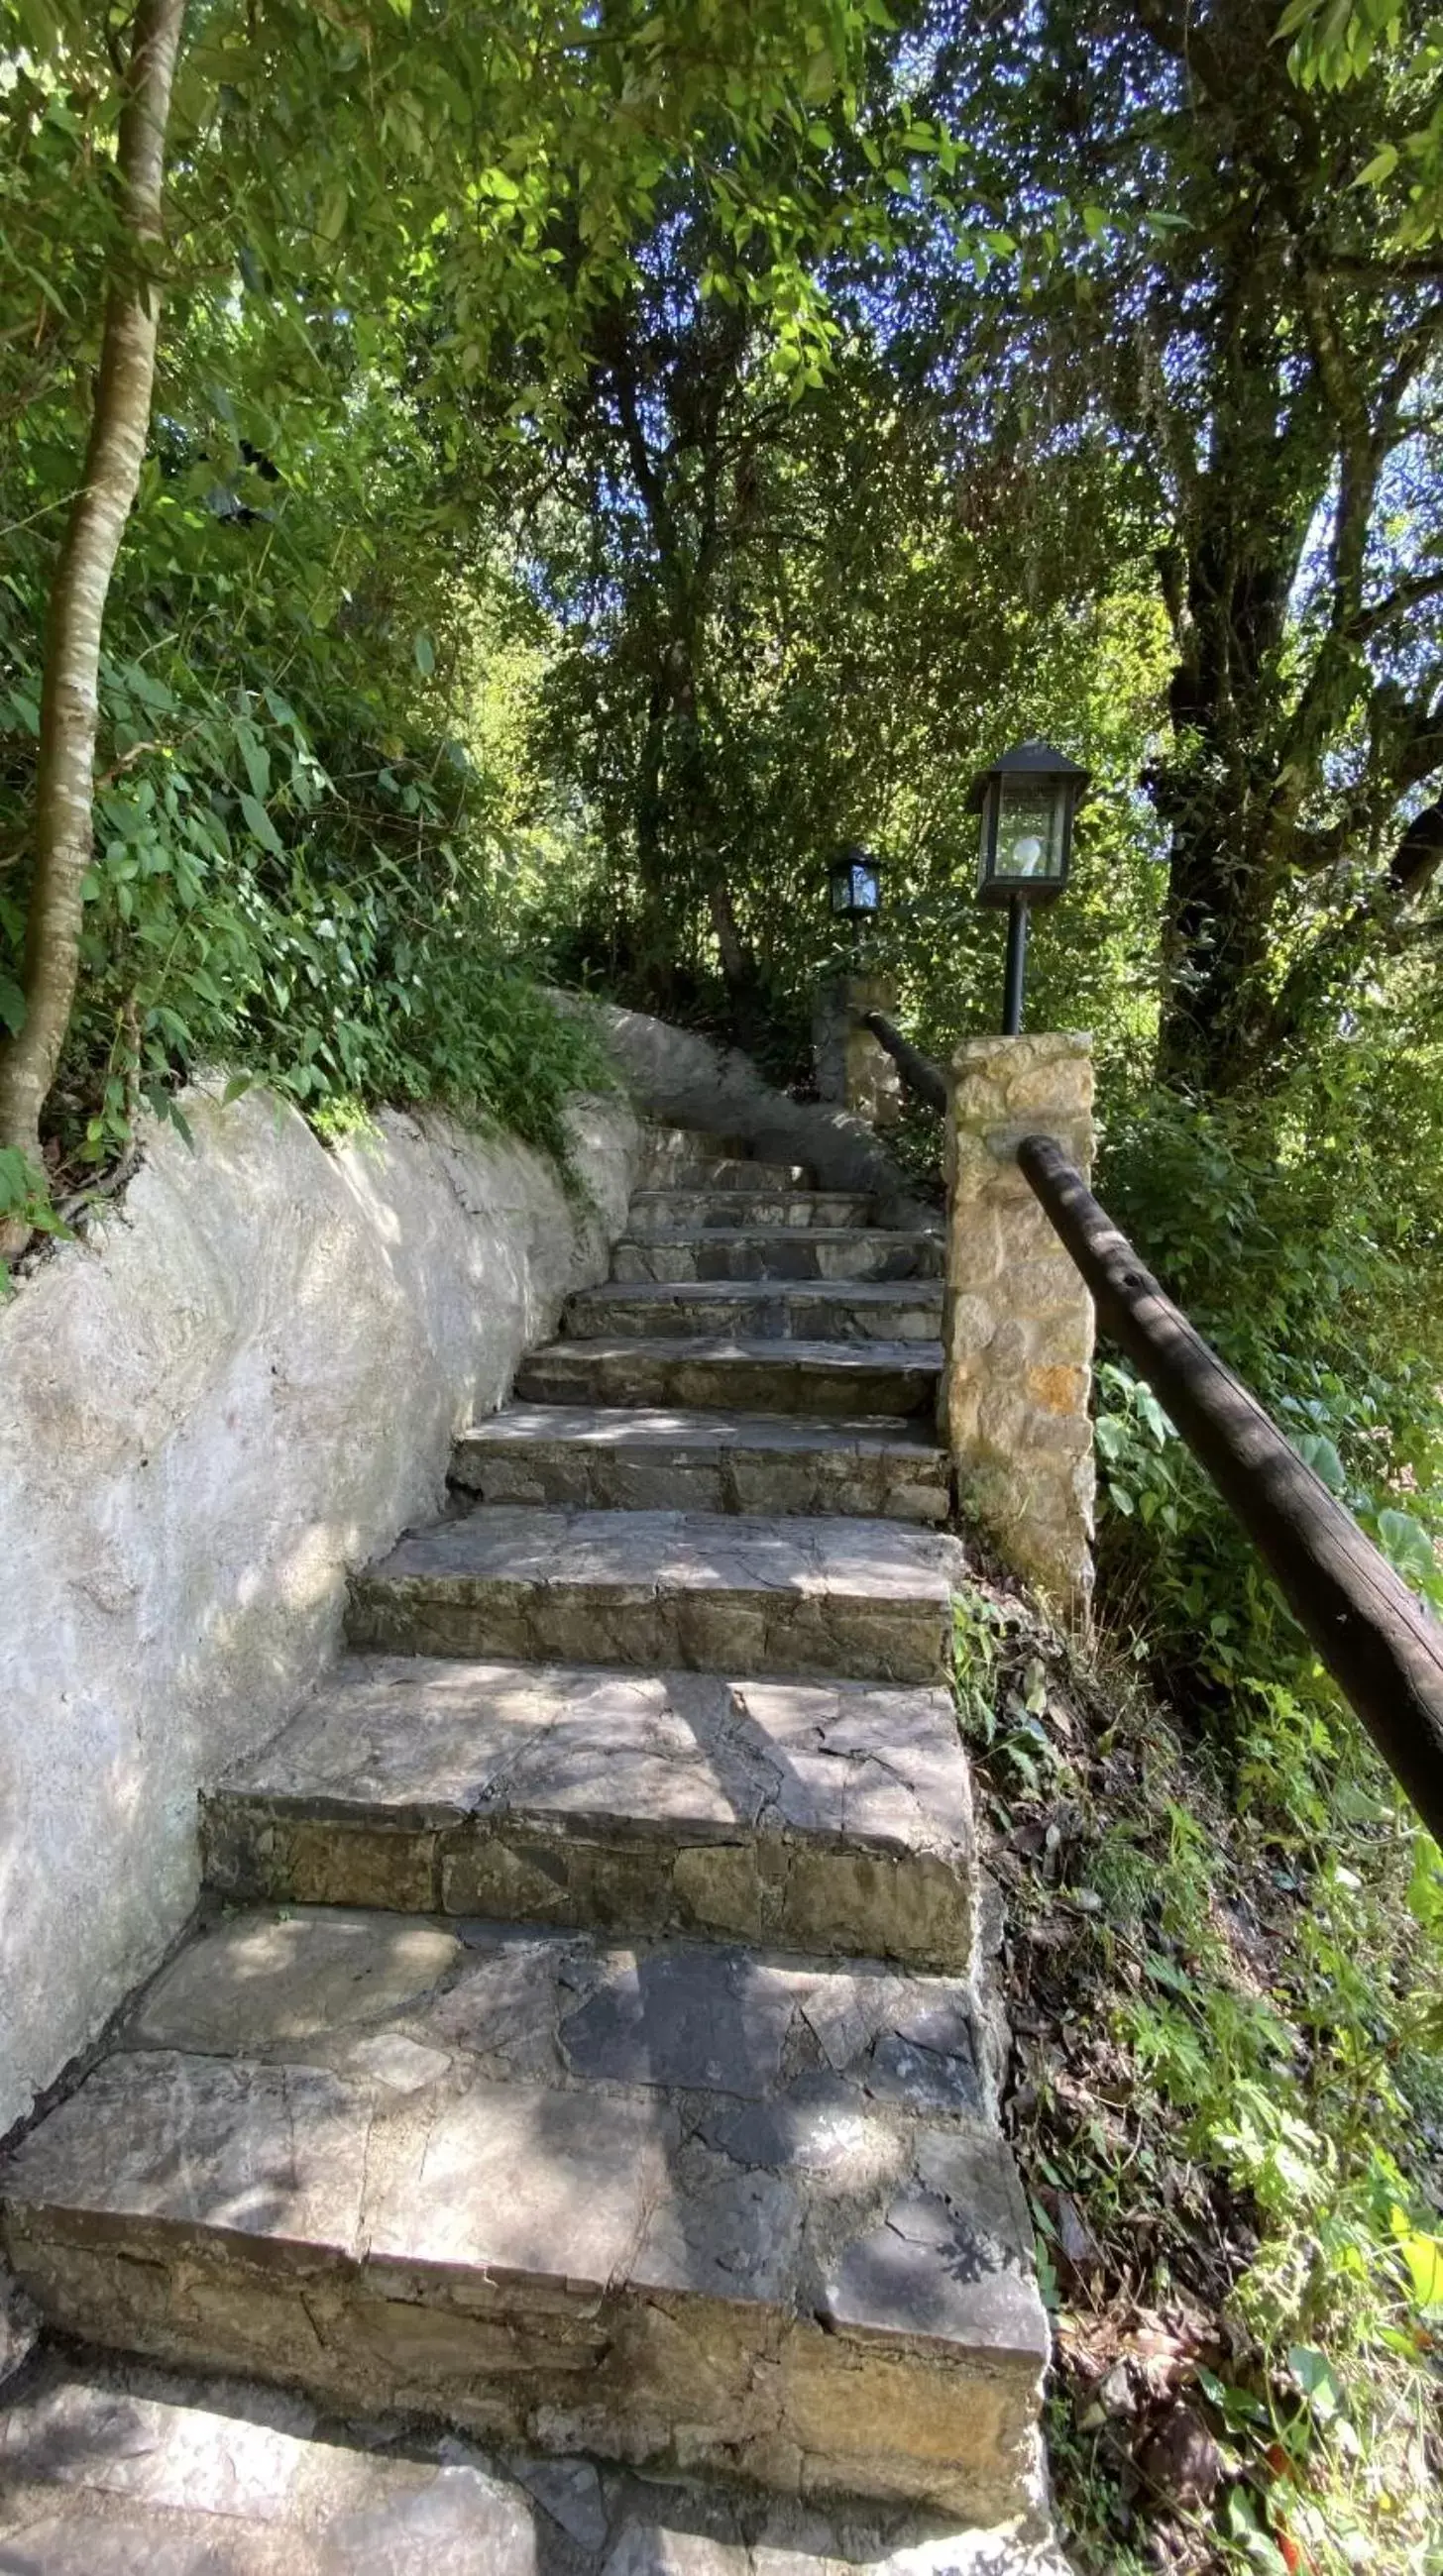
(112, 2469)
(684, 2205)
(660, 1458)
(703, 1591)
(664, 1210)
(824, 1380)
(833, 1818)
(779, 1252)
(811, 1310)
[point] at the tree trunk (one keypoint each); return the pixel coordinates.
(69, 706)
(1223, 704)
(1217, 999)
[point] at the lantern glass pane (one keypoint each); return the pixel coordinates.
(841, 889)
(864, 888)
(1031, 830)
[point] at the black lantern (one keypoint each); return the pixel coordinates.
(1027, 800)
(855, 883)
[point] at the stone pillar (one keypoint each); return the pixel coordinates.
(851, 1067)
(1017, 1320)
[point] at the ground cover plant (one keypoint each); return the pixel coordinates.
(1223, 1978)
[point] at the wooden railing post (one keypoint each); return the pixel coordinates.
(1017, 1324)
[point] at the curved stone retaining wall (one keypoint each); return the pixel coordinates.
(245, 1381)
(686, 1080)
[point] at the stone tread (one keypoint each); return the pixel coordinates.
(683, 2204)
(652, 1457)
(830, 1379)
(123, 2470)
(827, 1817)
(705, 1591)
(888, 1311)
(777, 1252)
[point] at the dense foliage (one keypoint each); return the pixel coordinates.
(601, 458)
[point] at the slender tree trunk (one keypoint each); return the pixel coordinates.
(69, 707)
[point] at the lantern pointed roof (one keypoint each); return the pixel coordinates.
(1037, 759)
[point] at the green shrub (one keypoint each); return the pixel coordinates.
(1287, 1235)
(293, 860)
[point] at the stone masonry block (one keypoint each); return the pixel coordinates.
(1017, 1322)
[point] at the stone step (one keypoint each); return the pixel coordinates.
(703, 1591)
(115, 2469)
(759, 1310)
(124, 2470)
(670, 1153)
(634, 1458)
(663, 1211)
(788, 1252)
(686, 2206)
(688, 1158)
(663, 1148)
(828, 1380)
(831, 1817)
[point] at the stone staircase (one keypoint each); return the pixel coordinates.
(583, 2046)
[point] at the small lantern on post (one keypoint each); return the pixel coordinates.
(854, 882)
(1027, 801)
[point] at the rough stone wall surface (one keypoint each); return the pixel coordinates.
(685, 1080)
(1017, 1321)
(852, 1066)
(246, 1380)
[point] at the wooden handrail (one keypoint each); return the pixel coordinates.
(1381, 1644)
(1378, 1640)
(918, 1071)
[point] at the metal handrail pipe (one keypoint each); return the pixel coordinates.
(1381, 1644)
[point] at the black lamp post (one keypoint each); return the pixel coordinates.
(1027, 800)
(854, 882)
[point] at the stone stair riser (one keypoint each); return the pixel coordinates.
(664, 2384)
(747, 1381)
(672, 1211)
(798, 1253)
(714, 1631)
(761, 1311)
(892, 1487)
(840, 1903)
(665, 1150)
(720, 1173)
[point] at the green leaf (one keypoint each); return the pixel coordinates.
(1407, 1546)
(1317, 2379)
(260, 826)
(1321, 1454)
(335, 206)
(257, 759)
(425, 653)
(1423, 2256)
